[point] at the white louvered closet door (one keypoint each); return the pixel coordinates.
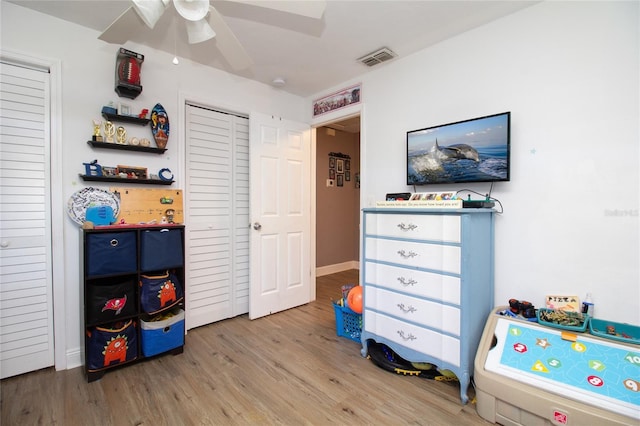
(217, 215)
(26, 302)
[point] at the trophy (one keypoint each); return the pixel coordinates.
(121, 135)
(109, 131)
(97, 137)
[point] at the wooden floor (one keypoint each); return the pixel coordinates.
(289, 368)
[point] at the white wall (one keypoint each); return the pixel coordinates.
(569, 73)
(88, 83)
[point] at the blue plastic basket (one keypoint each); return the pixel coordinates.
(621, 332)
(348, 323)
(580, 328)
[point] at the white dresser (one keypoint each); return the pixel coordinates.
(428, 284)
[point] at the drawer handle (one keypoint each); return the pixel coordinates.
(114, 243)
(405, 338)
(406, 255)
(406, 310)
(409, 227)
(405, 282)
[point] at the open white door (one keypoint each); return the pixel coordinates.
(280, 246)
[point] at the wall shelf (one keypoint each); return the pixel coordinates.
(128, 181)
(126, 118)
(123, 147)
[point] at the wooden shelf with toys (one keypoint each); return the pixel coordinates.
(126, 147)
(126, 118)
(125, 180)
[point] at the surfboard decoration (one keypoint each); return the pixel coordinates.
(160, 126)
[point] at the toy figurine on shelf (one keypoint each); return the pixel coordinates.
(170, 214)
(143, 113)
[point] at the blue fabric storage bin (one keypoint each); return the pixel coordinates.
(161, 336)
(161, 249)
(111, 345)
(111, 253)
(159, 292)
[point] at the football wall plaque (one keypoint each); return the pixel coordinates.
(128, 66)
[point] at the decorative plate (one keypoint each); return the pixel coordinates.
(90, 197)
(160, 125)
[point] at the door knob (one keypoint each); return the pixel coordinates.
(257, 226)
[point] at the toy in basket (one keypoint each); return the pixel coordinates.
(348, 323)
(567, 320)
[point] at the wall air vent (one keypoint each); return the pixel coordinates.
(377, 57)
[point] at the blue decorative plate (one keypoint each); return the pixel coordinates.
(91, 197)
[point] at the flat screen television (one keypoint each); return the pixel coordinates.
(475, 150)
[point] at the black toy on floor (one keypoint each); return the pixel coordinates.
(385, 358)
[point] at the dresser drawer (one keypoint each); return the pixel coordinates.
(428, 227)
(429, 256)
(420, 311)
(445, 288)
(413, 337)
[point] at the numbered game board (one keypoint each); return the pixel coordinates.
(592, 370)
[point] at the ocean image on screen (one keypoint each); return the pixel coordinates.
(474, 150)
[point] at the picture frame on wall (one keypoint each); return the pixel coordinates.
(340, 180)
(124, 109)
(347, 175)
(133, 172)
(109, 171)
(332, 173)
(332, 162)
(340, 99)
(340, 165)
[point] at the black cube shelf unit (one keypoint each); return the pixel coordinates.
(134, 286)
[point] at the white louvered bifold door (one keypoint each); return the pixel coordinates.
(26, 309)
(217, 215)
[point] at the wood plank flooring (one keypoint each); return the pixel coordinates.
(289, 368)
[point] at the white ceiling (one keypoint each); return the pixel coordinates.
(310, 55)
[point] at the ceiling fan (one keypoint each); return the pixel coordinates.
(203, 22)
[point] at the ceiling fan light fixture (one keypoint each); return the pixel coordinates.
(278, 82)
(150, 11)
(199, 31)
(192, 10)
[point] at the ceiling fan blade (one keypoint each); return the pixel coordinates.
(227, 42)
(199, 31)
(122, 28)
(310, 8)
(150, 10)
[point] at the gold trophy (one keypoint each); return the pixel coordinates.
(121, 135)
(97, 137)
(109, 131)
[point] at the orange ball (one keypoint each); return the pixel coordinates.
(354, 299)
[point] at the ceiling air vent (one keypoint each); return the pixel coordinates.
(377, 57)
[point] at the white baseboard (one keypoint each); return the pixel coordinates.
(74, 358)
(338, 267)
